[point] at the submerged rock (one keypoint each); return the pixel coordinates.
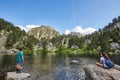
(74, 62)
(17, 76)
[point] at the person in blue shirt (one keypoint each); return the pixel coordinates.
(20, 59)
(103, 59)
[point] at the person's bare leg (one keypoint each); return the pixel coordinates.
(99, 64)
(18, 66)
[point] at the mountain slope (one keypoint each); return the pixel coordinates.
(13, 37)
(43, 32)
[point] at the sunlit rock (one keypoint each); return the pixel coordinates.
(74, 62)
(94, 72)
(17, 76)
(115, 45)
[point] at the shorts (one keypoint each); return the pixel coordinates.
(19, 62)
(106, 67)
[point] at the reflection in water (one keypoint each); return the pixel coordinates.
(50, 66)
(7, 61)
(40, 66)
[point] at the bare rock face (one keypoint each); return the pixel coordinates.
(12, 51)
(17, 76)
(50, 46)
(43, 31)
(2, 42)
(114, 45)
(94, 72)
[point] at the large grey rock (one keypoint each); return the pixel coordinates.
(50, 46)
(17, 76)
(74, 46)
(94, 72)
(74, 62)
(114, 45)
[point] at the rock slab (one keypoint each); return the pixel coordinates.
(17, 76)
(93, 72)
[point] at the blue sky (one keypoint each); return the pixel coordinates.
(63, 15)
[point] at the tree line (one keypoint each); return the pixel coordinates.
(99, 40)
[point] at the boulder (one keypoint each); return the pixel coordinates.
(114, 45)
(17, 76)
(74, 62)
(93, 72)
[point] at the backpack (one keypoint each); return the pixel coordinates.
(109, 63)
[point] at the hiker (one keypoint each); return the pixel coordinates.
(20, 59)
(105, 61)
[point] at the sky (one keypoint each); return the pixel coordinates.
(65, 16)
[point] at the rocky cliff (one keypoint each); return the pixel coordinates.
(77, 34)
(46, 32)
(2, 41)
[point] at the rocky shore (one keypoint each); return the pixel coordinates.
(94, 72)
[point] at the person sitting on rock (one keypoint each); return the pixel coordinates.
(19, 60)
(105, 61)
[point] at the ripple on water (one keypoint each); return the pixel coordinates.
(73, 72)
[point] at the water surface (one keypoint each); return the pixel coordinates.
(50, 66)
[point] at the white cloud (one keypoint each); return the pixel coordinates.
(21, 27)
(67, 32)
(31, 26)
(79, 29)
(27, 27)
